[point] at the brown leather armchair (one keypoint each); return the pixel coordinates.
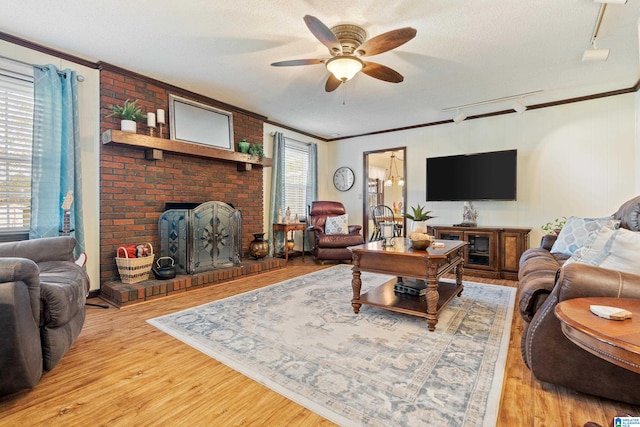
(331, 246)
(543, 283)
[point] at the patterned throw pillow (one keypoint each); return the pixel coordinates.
(337, 224)
(576, 231)
(594, 249)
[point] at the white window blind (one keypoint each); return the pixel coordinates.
(16, 139)
(296, 160)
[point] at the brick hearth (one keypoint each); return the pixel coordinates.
(121, 294)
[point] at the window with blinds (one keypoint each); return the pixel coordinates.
(16, 137)
(296, 165)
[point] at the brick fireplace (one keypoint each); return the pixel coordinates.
(134, 189)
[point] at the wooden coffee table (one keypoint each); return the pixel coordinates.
(421, 265)
(617, 341)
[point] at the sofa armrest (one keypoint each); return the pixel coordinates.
(315, 229)
(40, 250)
(581, 280)
(547, 241)
(20, 343)
(23, 272)
(354, 229)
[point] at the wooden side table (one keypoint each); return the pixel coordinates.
(286, 228)
(617, 341)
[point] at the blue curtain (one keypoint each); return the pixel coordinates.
(277, 187)
(312, 188)
(56, 173)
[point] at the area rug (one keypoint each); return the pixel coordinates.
(302, 339)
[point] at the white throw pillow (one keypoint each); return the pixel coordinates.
(576, 231)
(624, 252)
(611, 249)
(337, 224)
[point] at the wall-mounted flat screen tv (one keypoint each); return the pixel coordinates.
(468, 177)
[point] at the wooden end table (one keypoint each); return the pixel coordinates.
(285, 228)
(617, 341)
(404, 262)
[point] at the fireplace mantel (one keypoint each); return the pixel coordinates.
(162, 144)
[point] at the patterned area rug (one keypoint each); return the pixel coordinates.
(302, 339)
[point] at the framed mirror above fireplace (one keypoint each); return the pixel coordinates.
(191, 121)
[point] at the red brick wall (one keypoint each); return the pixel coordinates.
(133, 190)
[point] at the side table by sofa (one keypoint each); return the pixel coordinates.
(617, 341)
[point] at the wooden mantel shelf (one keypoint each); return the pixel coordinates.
(154, 143)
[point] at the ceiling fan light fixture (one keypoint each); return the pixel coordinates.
(344, 67)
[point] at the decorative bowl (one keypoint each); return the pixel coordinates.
(420, 244)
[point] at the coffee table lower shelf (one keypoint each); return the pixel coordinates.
(385, 297)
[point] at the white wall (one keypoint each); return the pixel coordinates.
(89, 100)
(574, 159)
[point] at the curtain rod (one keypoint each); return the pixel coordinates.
(42, 67)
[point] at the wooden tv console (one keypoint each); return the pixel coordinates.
(493, 252)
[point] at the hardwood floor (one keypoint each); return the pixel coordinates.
(122, 372)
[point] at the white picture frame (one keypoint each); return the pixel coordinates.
(197, 123)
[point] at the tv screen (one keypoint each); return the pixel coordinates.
(468, 177)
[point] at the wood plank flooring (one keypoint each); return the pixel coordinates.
(123, 372)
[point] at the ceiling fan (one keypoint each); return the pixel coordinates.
(346, 44)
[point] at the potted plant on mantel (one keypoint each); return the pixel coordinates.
(256, 150)
(128, 113)
(419, 218)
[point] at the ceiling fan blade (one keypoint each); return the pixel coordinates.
(382, 72)
(332, 83)
(324, 34)
(387, 41)
(295, 62)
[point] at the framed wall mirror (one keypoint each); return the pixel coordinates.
(191, 121)
(384, 184)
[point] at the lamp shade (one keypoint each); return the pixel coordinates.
(344, 67)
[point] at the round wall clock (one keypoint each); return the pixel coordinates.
(343, 178)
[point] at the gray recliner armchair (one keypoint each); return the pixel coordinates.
(42, 308)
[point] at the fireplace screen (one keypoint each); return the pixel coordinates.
(206, 237)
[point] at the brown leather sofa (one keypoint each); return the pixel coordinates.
(42, 308)
(331, 246)
(543, 283)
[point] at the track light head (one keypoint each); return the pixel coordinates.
(595, 55)
(459, 118)
(519, 107)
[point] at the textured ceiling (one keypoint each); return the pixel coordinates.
(465, 52)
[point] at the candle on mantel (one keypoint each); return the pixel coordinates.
(160, 116)
(151, 120)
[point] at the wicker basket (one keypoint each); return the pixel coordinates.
(134, 270)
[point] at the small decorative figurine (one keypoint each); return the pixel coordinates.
(287, 216)
(296, 219)
(279, 215)
(470, 215)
